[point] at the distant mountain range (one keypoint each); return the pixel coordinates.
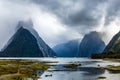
(91, 43)
(112, 50)
(68, 49)
(26, 43)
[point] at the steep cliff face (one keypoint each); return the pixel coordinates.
(114, 44)
(90, 44)
(68, 49)
(26, 43)
(112, 50)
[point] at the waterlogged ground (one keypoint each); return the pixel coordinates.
(87, 71)
(58, 69)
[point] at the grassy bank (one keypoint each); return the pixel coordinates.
(72, 66)
(14, 69)
(113, 69)
(111, 55)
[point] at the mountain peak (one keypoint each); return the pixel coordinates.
(21, 28)
(91, 43)
(24, 43)
(25, 24)
(112, 50)
(93, 34)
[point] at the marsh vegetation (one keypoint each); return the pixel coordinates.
(20, 69)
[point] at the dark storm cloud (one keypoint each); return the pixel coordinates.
(83, 15)
(86, 15)
(80, 13)
(112, 11)
(51, 4)
(84, 18)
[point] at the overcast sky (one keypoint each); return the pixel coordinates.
(58, 21)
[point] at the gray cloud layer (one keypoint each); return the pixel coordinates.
(83, 14)
(61, 20)
(75, 13)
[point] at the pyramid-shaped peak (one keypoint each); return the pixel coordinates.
(93, 33)
(25, 24)
(26, 43)
(23, 44)
(91, 43)
(21, 28)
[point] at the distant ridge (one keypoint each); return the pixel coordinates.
(68, 49)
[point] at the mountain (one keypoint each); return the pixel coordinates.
(26, 43)
(91, 43)
(114, 44)
(68, 49)
(112, 50)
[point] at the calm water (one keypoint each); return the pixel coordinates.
(85, 72)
